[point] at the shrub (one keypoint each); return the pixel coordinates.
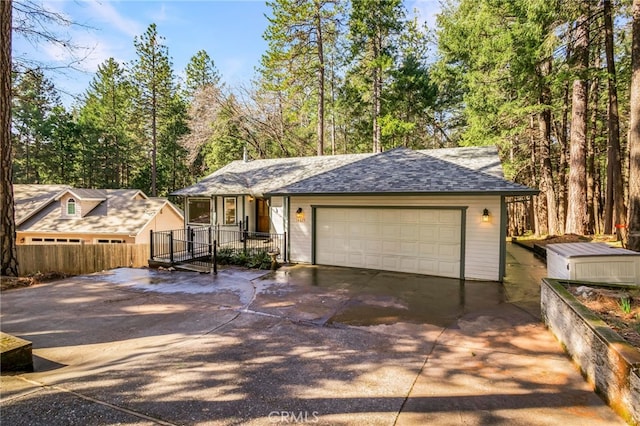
(256, 260)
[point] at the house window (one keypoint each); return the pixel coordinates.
(230, 211)
(105, 241)
(199, 210)
(71, 207)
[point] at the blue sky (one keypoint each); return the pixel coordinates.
(230, 31)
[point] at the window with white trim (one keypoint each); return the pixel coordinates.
(199, 211)
(230, 211)
(71, 207)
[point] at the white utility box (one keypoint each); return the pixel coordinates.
(597, 262)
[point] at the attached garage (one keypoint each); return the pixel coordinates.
(417, 240)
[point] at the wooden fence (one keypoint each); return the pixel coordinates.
(80, 259)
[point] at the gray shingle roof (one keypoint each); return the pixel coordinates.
(451, 170)
(479, 158)
(403, 171)
(259, 177)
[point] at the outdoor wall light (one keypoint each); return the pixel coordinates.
(250, 197)
(485, 215)
(299, 215)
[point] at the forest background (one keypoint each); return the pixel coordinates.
(549, 82)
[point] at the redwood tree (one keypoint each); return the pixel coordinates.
(577, 218)
(614, 207)
(634, 135)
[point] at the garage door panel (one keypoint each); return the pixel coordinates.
(408, 233)
(391, 231)
(409, 264)
(372, 246)
(423, 241)
(373, 262)
(406, 216)
(448, 218)
(448, 268)
(427, 232)
(428, 216)
(390, 263)
(409, 247)
(448, 233)
(427, 250)
(355, 259)
(449, 251)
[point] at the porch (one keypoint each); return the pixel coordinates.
(197, 248)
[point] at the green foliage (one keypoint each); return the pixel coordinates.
(253, 260)
(34, 113)
(201, 72)
(625, 305)
(156, 101)
(111, 151)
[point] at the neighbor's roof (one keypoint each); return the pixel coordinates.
(28, 199)
(123, 211)
(399, 171)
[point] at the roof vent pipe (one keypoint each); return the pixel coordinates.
(244, 154)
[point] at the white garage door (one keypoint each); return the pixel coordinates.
(422, 241)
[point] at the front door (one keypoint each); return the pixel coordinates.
(264, 224)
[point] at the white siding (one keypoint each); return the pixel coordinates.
(482, 243)
(277, 215)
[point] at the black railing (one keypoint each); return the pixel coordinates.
(199, 245)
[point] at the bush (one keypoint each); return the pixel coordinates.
(257, 260)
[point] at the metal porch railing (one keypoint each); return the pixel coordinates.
(199, 245)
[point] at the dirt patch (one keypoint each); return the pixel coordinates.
(8, 283)
(619, 308)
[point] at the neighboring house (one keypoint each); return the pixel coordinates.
(437, 212)
(60, 214)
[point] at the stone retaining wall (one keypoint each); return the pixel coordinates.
(609, 363)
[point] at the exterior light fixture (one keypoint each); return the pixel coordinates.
(299, 215)
(250, 198)
(485, 215)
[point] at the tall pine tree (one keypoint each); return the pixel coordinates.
(152, 77)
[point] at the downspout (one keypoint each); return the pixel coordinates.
(214, 211)
(503, 239)
(287, 226)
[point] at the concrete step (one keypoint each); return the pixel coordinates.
(15, 353)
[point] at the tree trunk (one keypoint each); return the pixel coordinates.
(320, 47)
(615, 212)
(540, 205)
(634, 135)
(546, 173)
(377, 89)
(154, 142)
(577, 205)
(594, 91)
(9, 264)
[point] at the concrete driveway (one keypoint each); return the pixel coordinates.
(305, 344)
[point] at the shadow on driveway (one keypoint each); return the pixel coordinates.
(302, 345)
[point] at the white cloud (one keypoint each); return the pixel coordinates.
(106, 12)
(160, 15)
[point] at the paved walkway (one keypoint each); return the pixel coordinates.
(302, 345)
